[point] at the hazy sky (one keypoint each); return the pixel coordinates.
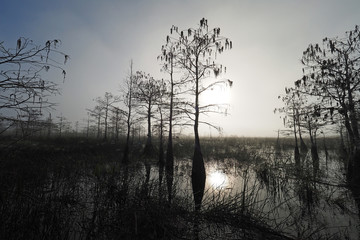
(102, 37)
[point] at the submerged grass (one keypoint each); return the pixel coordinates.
(78, 189)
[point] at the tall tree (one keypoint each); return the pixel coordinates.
(96, 113)
(64, 126)
(332, 74)
(291, 111)
(197, 49)
(49, 124)
(117, 120)
(168, 56)
(302, 112)
(312, 122)
(106, 104)
(147, 93)
(128, 91)
(160, 116)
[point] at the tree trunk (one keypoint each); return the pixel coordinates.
(315, 159)
(169, 165)
(296, 150)
(106, 123)
(161, 155)
(355, 149)
(198, 176)
(355, 181)
(88, 128)
(351, 108)
(314, 152)
(125, 158)
(326, 152)
(351, 123)
(117, 126)
(303, 146)
(343, 150)
(147, 178)
(98, 130)
(149, 150)
(349, 157)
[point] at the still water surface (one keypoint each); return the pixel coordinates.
(271, 188)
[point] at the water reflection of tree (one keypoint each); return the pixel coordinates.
(304, 197)
(296, 200)
(97, 196)
(330, 86)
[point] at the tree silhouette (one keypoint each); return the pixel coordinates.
(332, 75)
(312, 122)
(117, 119)
(96, 113)
(106, 104)
(196, 51)
(128, 98)
(24, 90)
(168, 56)
(161, 104)
(147, 92)
(291, 119)
(302, 111)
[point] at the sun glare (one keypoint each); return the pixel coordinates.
(218, 179)
(216, 95)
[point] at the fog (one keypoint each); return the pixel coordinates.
(102, 37)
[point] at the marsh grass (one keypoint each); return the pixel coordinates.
(78, 189)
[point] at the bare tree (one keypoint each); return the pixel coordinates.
(128, 91)
(63, 125)
(117, 119)
(160, 116)
(87, 125)
(24, 90)
(30, 125)
(106, 104)
(197, 49)
(332, 75)
(311, 121)
(302, 112)
(49, 125)
(147, 93)
(168, 56)
(96, 113)
(291, 117)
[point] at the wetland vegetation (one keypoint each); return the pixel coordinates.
(74, 188)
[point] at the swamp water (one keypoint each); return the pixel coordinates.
(271, 189)
(71, 197)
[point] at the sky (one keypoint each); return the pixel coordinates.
(102, 37)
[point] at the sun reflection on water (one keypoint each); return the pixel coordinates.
(218, 179)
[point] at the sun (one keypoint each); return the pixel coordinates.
(218, 179)
(216, 95)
